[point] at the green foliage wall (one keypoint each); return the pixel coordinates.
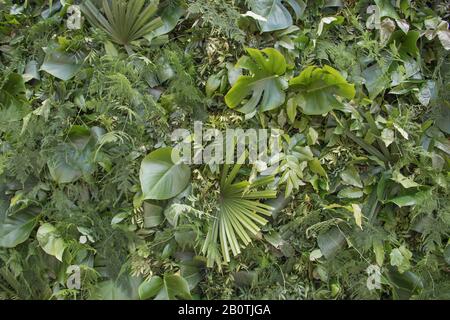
(90, 92)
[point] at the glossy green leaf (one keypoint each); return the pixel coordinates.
(17, 228)
(13, 101)
(50, 241)
(61, 65)
(265, 84)
(350, 176)
(160, 177)
(318, 88)
(153, 215)
(277, 16)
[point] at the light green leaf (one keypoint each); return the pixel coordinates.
(350, 193)
(31, 71)
(264, 84)
(13, 101)
(404, 181)
(316, 167)
(50, 241)
(160, 177)
(276, 15)
(125, 288)
(312, 136)
(170, 15)
(357, 214)
(400, 257)
(388, 137)
(74, 158)
(376, 79)
(318, 88)
(410, 199)
(350, 176)
(291, 110)
(213, 84)
(153, 215)
(387, 9)
(378, 249)
(60, 65)
(171, 287)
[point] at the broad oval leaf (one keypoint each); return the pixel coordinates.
(171, 287)
(73, 159)
(50, 241)
(16, 229)
(160, 177)
(277, 16)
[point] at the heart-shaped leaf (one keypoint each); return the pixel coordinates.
(160, 177)
(17, 228)
(50, 241)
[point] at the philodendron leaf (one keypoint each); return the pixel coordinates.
(17, 228)
(317, 89)
(264, 84)
(277, 16)
(160, 177)
(171, 287)
(60, 65)
(50, 241)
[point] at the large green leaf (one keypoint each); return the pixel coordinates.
(317, 89)
(125, 288)
(170, 15)
(170, 287)
(386, 9)
(73, 159)
(13, 102)
(276, 14)
(16, 229)
(61, 65)
(50, 241)
(160, 177)
(264, 84)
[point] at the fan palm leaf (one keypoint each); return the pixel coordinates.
(124, 21)
(239, 216)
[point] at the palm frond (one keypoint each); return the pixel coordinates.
(239, 216)
(124, 21)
